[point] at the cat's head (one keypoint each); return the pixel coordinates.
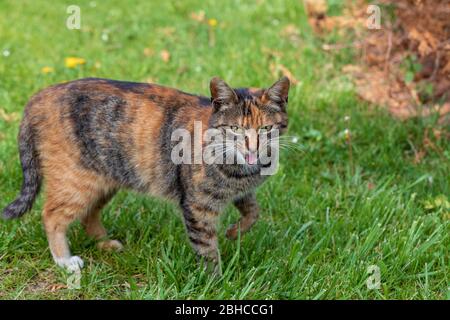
(249, 115)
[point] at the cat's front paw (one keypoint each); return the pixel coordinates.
(232, 232)
(212, 267)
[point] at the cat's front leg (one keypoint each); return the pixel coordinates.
(249, 209)
(201, 227)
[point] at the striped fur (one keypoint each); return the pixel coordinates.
(88, 138)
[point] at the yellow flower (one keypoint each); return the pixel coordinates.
(72, 62)
(47, 69)
(212, 22)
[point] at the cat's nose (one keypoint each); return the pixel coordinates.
(251, 141)
(252, 149)
(251, 146)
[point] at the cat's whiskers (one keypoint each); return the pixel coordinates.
(281, 144)
(221, 149)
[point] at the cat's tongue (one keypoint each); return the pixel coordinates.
(251, 158)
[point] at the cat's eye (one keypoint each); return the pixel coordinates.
(237, 130)
(266, 128)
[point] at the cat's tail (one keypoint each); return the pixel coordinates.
(32, 178)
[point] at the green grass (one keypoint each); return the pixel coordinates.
(325, 218)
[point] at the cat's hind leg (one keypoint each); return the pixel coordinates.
(92, 223)
(57, 217)
(69, 197)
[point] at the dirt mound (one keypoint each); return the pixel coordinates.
(405, 62)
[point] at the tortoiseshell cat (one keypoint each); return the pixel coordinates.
(88, 138)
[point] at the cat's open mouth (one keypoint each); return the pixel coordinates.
(251, 158)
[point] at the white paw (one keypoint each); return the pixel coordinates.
(71, 264)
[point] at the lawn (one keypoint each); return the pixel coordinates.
(336, 207)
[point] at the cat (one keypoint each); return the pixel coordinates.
(87, 138)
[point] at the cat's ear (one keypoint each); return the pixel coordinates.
(222, 95)
(278, 92)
